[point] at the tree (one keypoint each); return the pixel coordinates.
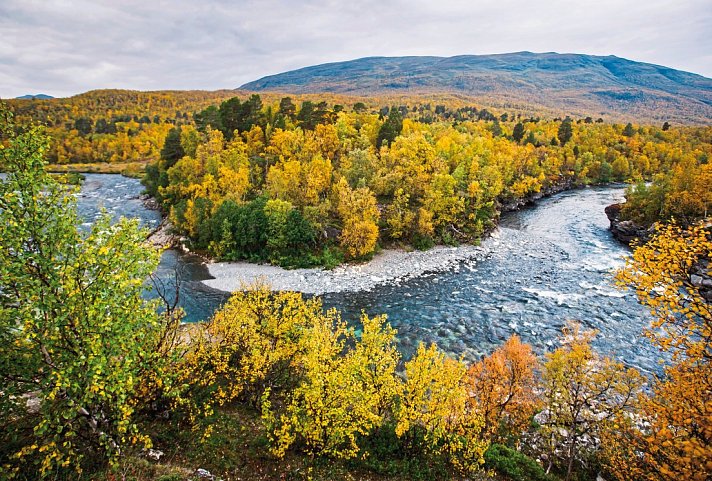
(628, 131)
(231, 116)
(246, 348)
(502, 389)
(518, 132)
(359, 214)
(172, 150)
(75, 332)
(565, 131)
(210, 117)
(342, 396)
(583, 392)
(359, 107)
(673, 438)
(83, 125)
(496, 128)
(287, 107)
(434, 405)
(666, 126)
(390, 129)
(663, 276)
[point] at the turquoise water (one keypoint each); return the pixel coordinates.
(544, 266)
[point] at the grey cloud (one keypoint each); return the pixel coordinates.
(66, 47)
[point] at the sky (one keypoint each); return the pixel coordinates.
(65, 47)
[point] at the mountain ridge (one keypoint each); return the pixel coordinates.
(577, 84)
(35, 97)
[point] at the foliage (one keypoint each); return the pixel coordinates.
(342, 396)
(76, 336)
(683, 194)
(248, 347)
(670, 436)
(583, 392)
(434, 403)
(503, 387)
(439, 173)
(514, 465)
(661, 272)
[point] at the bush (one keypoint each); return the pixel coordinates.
(514, 465)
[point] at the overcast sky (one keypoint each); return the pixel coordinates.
(64, 47)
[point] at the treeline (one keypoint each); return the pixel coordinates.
(353, 178)
(112, 125)
(90, 368)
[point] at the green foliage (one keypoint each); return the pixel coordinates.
(172, 150)
(390, 129)
(628, 130)
(76, 335)
(565, 131)
(513, 465)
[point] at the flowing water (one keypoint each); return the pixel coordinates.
(545, 265)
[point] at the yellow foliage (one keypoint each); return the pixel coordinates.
(341, 397)
(434, 401)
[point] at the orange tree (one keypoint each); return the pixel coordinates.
(671, 438)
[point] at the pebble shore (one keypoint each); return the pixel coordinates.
(389, 266)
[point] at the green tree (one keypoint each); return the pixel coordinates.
(75, 333)
(628, 131)
(172, 150)
(390, 129)
(565, 131)
(518, 132)
(287, 107)
(359, 107)
(83, 125)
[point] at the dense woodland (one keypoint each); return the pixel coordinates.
(276, 387)
(315, 180)
(311, 184)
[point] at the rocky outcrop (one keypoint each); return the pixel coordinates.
(626, 231)
(530, 199)
(701, 278)
(163, 236)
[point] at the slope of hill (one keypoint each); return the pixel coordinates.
(611, 87)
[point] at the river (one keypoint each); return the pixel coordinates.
(543, 266)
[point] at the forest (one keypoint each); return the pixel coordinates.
(314, 184)
(96, 379)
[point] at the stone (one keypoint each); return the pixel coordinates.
(205, 474)
(154, 454)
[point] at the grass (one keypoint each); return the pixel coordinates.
(238, 450)
(129, 169)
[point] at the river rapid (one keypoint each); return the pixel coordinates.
(545, 265)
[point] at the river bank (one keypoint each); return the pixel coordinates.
(389, 266)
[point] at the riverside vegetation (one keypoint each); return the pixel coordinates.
(316, 182)
(94, 375)
(315, 185)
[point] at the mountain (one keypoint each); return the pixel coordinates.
(576, 84)
(35, 97)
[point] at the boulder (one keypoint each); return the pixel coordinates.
(626, 231)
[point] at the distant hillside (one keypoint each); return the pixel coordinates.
(611, 87)
(35, 97)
